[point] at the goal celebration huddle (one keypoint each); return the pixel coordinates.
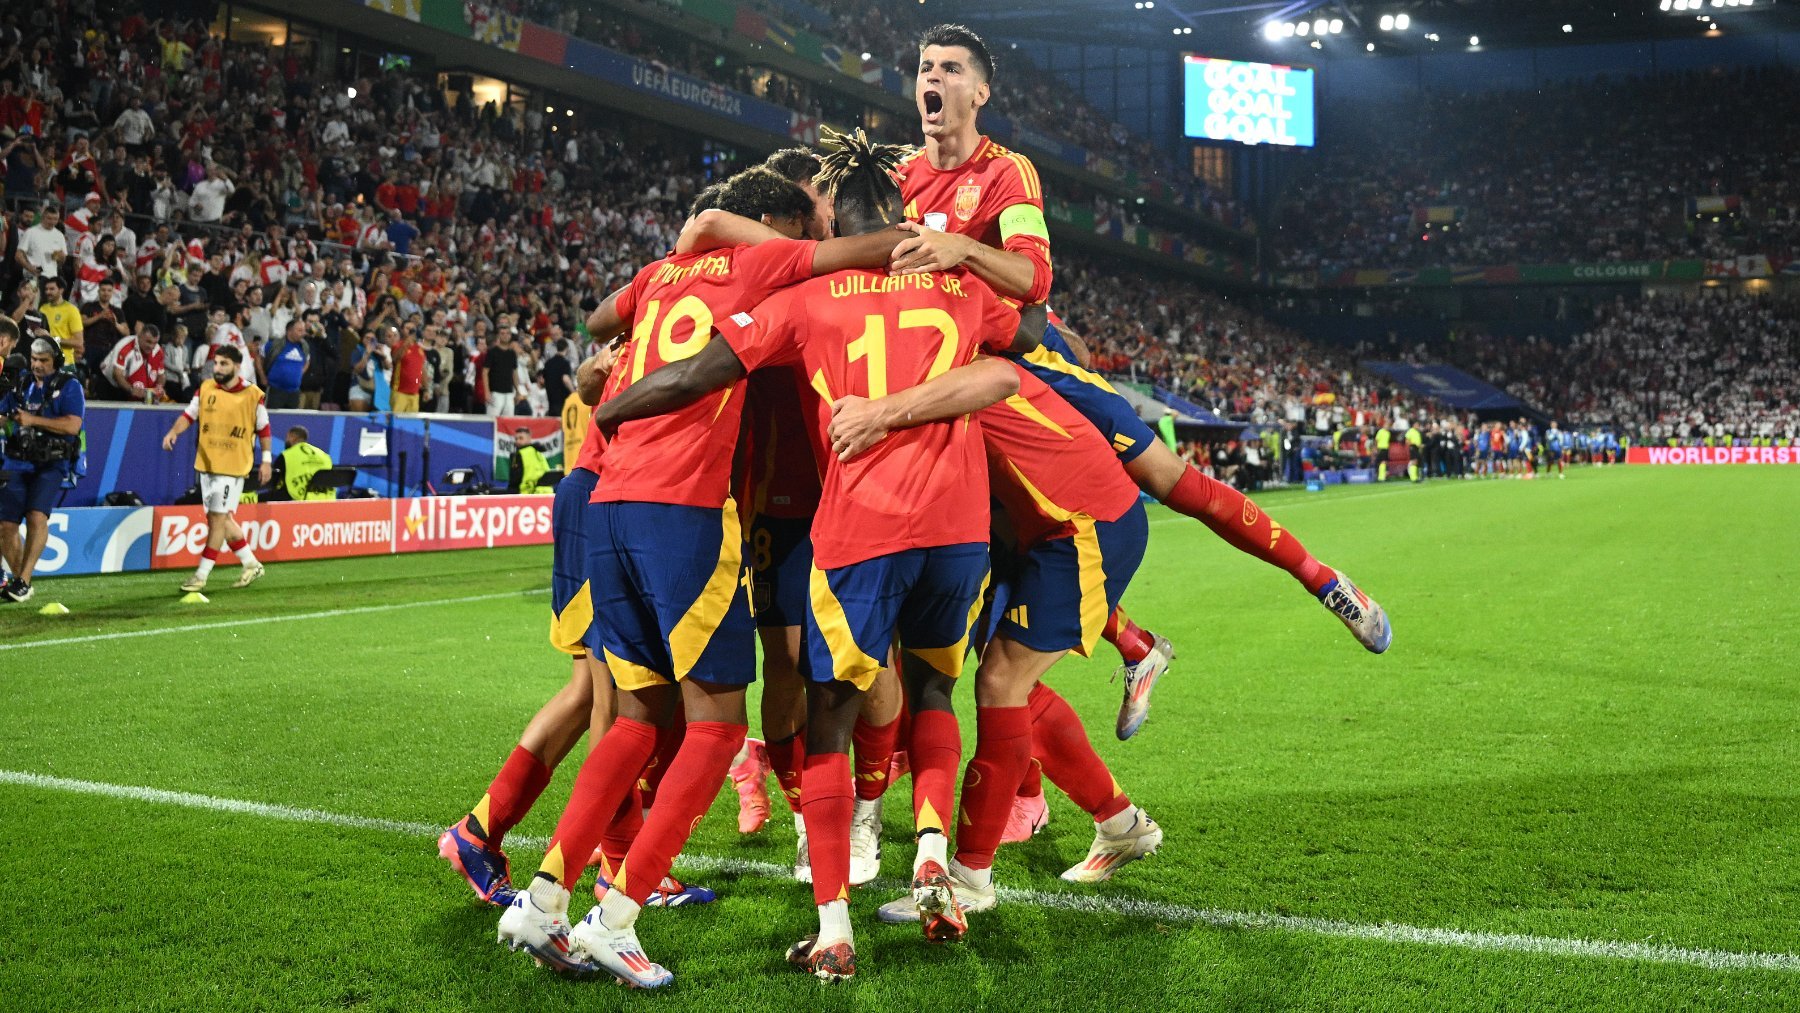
(843, 418)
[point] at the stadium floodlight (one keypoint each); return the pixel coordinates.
(1402, 22)
(1187, 31)
(1302, 29)
(1718, 3)
(1387, 22)
(1321, 26)
(1287, 30)
(1474, 40)
(1337, 26)
(350, 91)
(1272, 31)
(1370, 47)
(1568, 28)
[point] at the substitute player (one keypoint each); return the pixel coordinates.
(900, 538)
(970, 196)
(232, 416)
(666, 573)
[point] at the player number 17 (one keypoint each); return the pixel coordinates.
(872, 345)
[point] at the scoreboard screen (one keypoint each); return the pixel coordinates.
(1251, 103)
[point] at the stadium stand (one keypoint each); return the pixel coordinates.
(1690, 165)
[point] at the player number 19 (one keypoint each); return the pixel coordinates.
(689, 308)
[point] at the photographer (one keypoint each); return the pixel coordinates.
(42, 456)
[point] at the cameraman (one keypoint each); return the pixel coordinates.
(41, 457)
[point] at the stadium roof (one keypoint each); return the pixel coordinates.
(1235, 27)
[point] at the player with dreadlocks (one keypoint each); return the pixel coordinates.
(900, 538)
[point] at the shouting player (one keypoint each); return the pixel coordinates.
(232, 417)
(900, 537)
(981, 206)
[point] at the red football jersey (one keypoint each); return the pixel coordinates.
(784, 474)
(865, 333)
(981, 199)
(1047, 463)
(685, 457)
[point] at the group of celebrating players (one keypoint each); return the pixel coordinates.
(886, 443)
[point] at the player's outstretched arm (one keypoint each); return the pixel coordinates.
(714, 229)
(858, 423)
(673, 386)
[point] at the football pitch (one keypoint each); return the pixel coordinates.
(1571, 783)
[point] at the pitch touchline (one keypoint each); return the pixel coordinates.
(1284, 507)
(359, 610)
(1386, 932)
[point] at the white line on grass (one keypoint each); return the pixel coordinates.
(1324, 499)
(265, 620)
(1145, 910)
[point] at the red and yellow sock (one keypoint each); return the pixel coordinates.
(1242, 524)
(826, 804)
(1130, 638)
(936, 755)
(511, 795)
(1002, 757)
(874, 754)
(668, 743)
(1068, 757)
(606, 780)
(688, 788)
(787, 757)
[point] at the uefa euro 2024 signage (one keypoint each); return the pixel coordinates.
(1251, 103)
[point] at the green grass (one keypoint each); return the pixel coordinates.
(1584, 729)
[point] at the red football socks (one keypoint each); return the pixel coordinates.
(826, 805)
(1002, 756)
(521, 780)
(936, 754)
(788, 758)
(874, 752)
(606, 780)
(621, 833)
(689, 787)
(1244, 526)
(1032, 784)
(1131, 640)
(1069, 759)
(668, 743)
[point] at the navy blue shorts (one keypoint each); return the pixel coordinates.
(780, 567)
(929, 596)
(571, 602)
(28, 492)
(1092, 396)
(671, 596)
(1057, 595)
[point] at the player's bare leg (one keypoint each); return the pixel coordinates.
(473, 844)
(716, 724)
(1243, 525)
(219, 527)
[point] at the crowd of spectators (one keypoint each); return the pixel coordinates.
(1575, 172)
(165, 181)
(1662, 368)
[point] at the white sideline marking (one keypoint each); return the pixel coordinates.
(1144, 910)
(359, 610)
(1323, 500)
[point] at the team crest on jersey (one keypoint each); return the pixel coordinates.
(968, 198)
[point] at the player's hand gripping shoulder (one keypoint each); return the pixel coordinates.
(590, 376)
(927, 250)
(858, 423)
